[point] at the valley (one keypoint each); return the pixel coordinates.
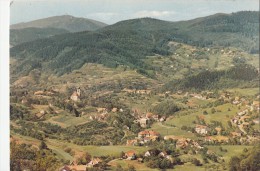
(130, 96)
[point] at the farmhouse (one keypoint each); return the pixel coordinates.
(182, 143)
(163, 154)
(130, 155)
(131, 142)
(146, 133)
(94, 162)
(236, 134)
(242, 112)
(201, 129)
(143, 122)
(147, 153)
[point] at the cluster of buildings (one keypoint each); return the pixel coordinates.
(183, 143)
(143, 120)
(94, 163)
(144, 137)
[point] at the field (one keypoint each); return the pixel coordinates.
(58, 147)
(245, 92)
(222, 116)
(232, 150)
(168, 130)
(126, 163)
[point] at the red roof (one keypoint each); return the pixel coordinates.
(130, 153)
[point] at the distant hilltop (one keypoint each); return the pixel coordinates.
(67, 22)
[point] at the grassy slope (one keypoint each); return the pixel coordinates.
(218, 116)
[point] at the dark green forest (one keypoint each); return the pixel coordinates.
(129, 42)
(239, 75)
(18, 36)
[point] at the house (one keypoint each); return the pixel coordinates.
(201, 129)
(114, 110)
(147, 153)
(130, 155)
(218, 129)
(143, 122)
(163, 154)
(162, 119)
(131, 142)
(94, 162)
(182, 143)
(242, 112)
(147, 133)
(149, 115)
(235, 120)
(235, 102)
(236, 134)
(156, 117)
(76, 95)
(147, 139)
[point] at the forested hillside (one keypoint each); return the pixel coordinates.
(129, 42)
(239, 75)
(18, 36)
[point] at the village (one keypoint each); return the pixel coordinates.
(239, 132)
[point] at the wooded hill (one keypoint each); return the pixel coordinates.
(129, 42)
(18, 36)
(67, 22)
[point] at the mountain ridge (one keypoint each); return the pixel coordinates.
(67, 22)
(129, 42)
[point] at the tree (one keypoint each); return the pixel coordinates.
(87, 157)
(205, 112)
(234, 164)
(119, 167)
(165, 163)
(213, 110)
(43, 145)
(196, 162)
(76, 112)
(131, 168)
(122, 154)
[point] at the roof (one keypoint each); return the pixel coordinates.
(163, 153)
(94, 161)
(149, 115)
(130, 153)
(131, 141)
(201, 126)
